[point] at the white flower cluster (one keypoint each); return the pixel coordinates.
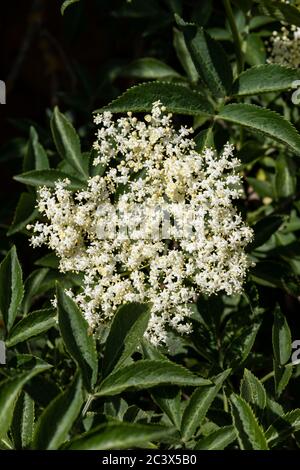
(284, 47)
(149, 162)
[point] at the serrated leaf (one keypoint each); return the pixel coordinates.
(281, 338)
(176, 98)
(199, 405)
(120, 436)
(127, 329)
(264, 229)
(209, 59)
(9, 392)
(58, 418)
(31, 287)
(11, 288)
(249, 434)
(33, 324)
(36, 157)
(184, 56)
(66, 4)
(23, 422)
(67, 142)
(280, 10)
(265, 79)
(48, 178)
(146, 374)
(168, 397)
(168, 400)
(149, 68)
(241, 345)
(24, 214)
(263, 121)
(282, 376)
(283, 427)
(253, 391)
(78, 341)
(217, 440)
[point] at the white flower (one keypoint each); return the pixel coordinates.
(122, 242)
(284, 47)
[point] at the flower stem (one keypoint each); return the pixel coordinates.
(267, 377)
(235, 35)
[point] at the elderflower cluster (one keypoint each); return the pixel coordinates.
(284, 47)
(149, 165)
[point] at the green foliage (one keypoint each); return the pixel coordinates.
(11, 288)
(147, 374)
(176, 99)
(119, 436)
(249, 434)
(78, 340)
(67, 142)
(57, 419)
(126, 332)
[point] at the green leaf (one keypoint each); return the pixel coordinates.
(176, 99)
(127, 329)
(23, 422)
(32, 286)
(48, 261)
(36, 157)
(241, 345)
(147, 374)
(203, 139)
(120, 436)
(24, 214)
(78, 341)
(34, 324)
(253, 391)
(9, 392)
(184, 56)
(199, 404)
(66, 4)
(217, 440)
(255, 53)
(11, 287)
(249, 434)
(209, 58)
(263, 121)
(283, 427)
(67, 142)
(168, 400)
(265, 79)
(281, 338)
(57, 419)
(282, 376)
(48, 178)
(285, 178)
(149, 68)
(280, 10)
(264, 229)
